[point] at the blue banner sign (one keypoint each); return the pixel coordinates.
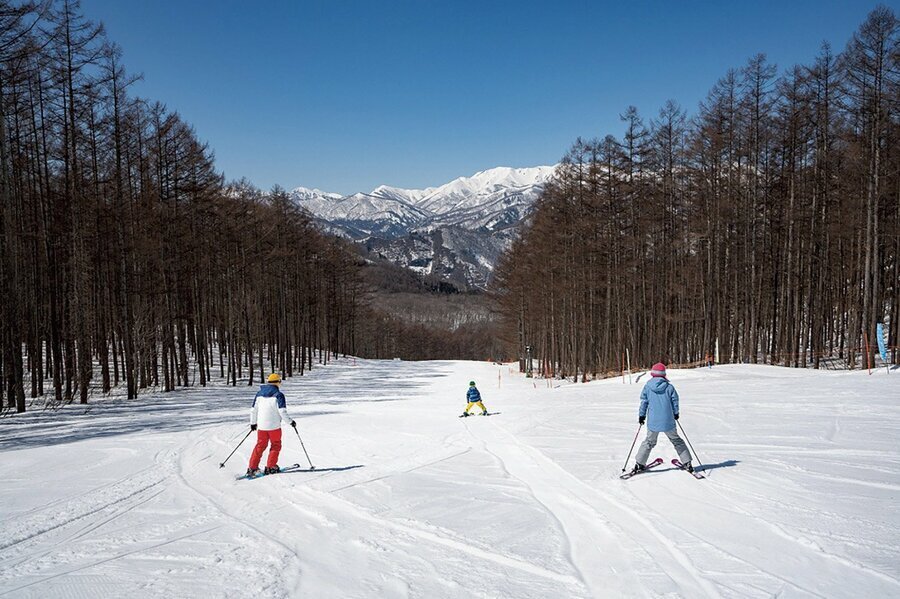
(882, 341)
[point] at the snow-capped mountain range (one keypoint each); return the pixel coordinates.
(455, 231)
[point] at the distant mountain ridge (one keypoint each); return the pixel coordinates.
(456, 231)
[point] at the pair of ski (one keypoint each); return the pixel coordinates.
(261, 473)
(675, 462)
(486, 414)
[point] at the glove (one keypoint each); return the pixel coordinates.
(640, 420)
(294, 423)
(676, 416)
(252, 427)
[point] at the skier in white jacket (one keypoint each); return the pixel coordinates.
(268, 412)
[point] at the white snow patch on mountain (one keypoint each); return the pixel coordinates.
(483, 187)
(409, 196)
(304, 193)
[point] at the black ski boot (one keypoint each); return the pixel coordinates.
(689, 468)
(638, 468)
(252, 471)
(464, 415)
(272, 470)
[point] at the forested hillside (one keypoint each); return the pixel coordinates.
(417, 317)
(122, 247)
(766, 227)
(125, 259)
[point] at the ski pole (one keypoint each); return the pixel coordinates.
(632, 446)
(311, 467)
(688, 442)
(222, 465)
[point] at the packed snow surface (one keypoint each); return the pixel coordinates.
(126, 498)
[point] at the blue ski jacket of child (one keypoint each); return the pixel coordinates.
(472, 395)
(661, 400)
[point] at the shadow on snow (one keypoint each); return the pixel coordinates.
(334, 469)
(725, 464)
(203, 407)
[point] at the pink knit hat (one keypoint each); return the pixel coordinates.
(659, 369)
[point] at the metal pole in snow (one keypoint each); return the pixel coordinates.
(689, 443)
(222, 465)
(311, 467)
(632, 447)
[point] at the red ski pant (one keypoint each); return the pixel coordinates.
(263, 438)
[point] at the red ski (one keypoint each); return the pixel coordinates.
(677, 462)
(652, 464)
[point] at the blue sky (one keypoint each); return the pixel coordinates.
(346, 95)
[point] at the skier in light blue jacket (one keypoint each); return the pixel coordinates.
(659, 406)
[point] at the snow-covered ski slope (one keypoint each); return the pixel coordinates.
(126, 499)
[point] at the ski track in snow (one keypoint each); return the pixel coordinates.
(127, 499)
(587, 515)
